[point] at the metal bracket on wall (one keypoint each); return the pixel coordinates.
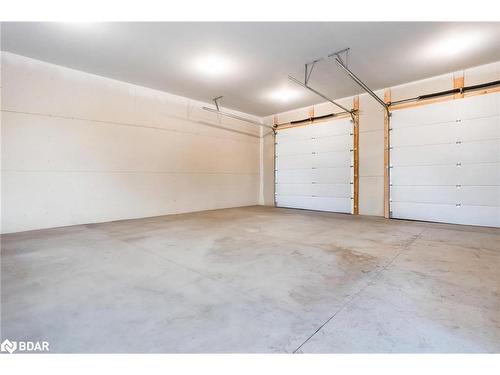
(231, 115)
(216, 101)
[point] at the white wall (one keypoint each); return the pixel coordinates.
(371, 139)
(79, 148)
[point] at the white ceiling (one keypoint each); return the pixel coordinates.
(162, 55)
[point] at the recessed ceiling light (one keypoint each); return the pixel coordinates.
(284, 95)
(454, 44)
(79, 24)
(81, 27)
(213, 65)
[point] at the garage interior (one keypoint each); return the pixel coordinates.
(329, 187)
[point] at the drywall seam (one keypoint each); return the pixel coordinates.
(203, 122)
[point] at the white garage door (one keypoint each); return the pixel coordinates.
(314, 166)
(445, 162)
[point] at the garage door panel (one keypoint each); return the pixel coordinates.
(478, 106)
(469, 174)
(479, 129)
(469, 215)
(426, 194)
(324, 175)
(422, 135)
(330, 144)
(332, 160)
(424, 175)
(331, 175)
(479, 195)
(325, 160)
(315, 203)
(460, 193)
(479, 215)
(294, 134)
(454, 182)
(479, 152)
(295, 161)
(479, 174)
(313, 167)
(433, 114)
(324, 190)
(444, 213)
(299, 176)
(295, 147)
(330, 128)
(335, 143)
(424, 155)
(324, 129)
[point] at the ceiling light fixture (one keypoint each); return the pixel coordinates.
(454, 44)
(284, 95)
(213, 65)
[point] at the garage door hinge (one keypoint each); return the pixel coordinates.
(458, 121)
(458, 142)
(458, 204)
(458, 185)
(459, 164)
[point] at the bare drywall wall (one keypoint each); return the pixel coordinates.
(79, 148)
(371, 138)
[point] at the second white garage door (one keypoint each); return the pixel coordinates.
(445, 162)
(314, 166)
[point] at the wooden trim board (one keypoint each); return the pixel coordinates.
(387, 191)
(355, 106)
(458, 83)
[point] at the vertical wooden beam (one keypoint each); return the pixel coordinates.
(311, 112)
(458, 83)
(355, 106)
(275, 123)
(387, 191)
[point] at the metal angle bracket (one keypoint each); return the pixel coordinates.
(216, 102)
(234, 116)
(308, 69)
(339, 53)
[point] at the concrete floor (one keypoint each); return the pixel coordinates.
(254, 279)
